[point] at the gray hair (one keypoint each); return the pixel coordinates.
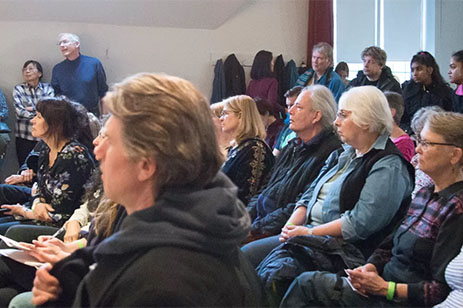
(447, 124)
(325, 49)
(369, 108)
(323, 101)
(420, 117)
(73, 37)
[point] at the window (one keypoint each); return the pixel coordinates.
(399, 27)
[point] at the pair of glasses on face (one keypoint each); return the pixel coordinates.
(65, 43)
(425, 144)
(226, 112)
(343, 114)
(29, 69)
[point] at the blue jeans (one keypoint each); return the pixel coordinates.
(257, 251)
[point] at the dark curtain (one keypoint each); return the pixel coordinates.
(320, 25)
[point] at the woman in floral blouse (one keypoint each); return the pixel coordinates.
(249, 158)
(64, 167)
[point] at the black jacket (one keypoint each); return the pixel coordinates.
(417, 96)
(386, 81)
(234, 76)
(183, 251)
(296, 167)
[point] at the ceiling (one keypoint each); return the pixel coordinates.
(197, 14)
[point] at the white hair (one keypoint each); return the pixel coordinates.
(73, 37)
(323, 101)
(369, 108)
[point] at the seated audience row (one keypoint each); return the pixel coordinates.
(408, 268)
(334, 207)
(359, 196)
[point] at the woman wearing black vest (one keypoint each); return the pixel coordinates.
(362, 192)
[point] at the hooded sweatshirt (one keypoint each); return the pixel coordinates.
(183, 251)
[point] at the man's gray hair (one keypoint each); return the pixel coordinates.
(73, 37)
(323, 101)
(325, 49)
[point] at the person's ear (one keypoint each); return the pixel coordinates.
(429, 70)
(393, 111)
(146, 169)
(457, 156)
(317, 117)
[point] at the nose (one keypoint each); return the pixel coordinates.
(419, 149)
(291, 110)
(98, 150)
(337, 122)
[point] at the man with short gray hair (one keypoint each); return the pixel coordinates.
(79, 77)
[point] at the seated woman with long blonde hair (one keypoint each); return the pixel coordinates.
(250, 159)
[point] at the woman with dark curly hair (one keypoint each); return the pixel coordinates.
(64, 166)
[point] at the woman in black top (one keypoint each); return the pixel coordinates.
(249, 159)
(426, 88)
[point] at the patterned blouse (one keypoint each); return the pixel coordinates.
(248, 165)
(62, 185)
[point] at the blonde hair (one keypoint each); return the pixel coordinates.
(369, 108)
(168, 119)
(217, 109)
(250, 124)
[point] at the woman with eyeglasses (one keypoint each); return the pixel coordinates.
(26, 96)
(408, 268)
(64, 166)
(249, 159)
(359, 197)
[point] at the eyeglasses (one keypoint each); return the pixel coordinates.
(425, 144)
(65, 43)
(226, 112)
(343, 114)
(29, 69)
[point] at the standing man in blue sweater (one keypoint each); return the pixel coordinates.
(79, 77)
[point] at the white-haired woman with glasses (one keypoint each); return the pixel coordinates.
(408, 268)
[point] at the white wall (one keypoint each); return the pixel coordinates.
(275, 25)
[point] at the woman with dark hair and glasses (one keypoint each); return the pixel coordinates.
(64, 166)
(425, 88)
(26, 96)
(263, 83)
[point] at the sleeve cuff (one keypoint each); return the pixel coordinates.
(347, 229)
